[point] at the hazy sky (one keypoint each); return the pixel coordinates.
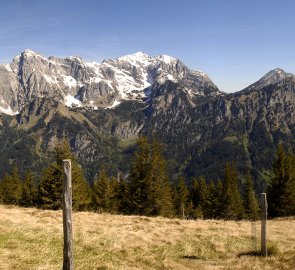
(235, 42)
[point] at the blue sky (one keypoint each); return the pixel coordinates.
(234, 42)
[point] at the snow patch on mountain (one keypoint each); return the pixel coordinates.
(115, 104)
(167, 59)
(8, 67)
(69, 81)
(8, 111)
(135, 59)
(50, 79)
(71, 101)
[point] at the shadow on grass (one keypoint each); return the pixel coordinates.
(191, 257)
(253, 253)
(272, 250)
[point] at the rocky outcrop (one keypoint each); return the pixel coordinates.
(78, 83)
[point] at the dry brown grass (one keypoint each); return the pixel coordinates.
(32, 239)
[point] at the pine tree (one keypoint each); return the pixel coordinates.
(209, 207)
(232, 206)
(250, 200)
(195, 210)
(203, 194)
(50, 188)
(217, 200)
(11, 188)
(159, 182)
(281, 193)
(181, 198)
(122, 197)
(149, 186)
(199, 195)
(29, 191)
(104, 193)
(138, 180)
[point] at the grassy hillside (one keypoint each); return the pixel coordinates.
(32, 239)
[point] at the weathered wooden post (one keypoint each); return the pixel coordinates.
(263, 224)
(182, 207)
(68, 263)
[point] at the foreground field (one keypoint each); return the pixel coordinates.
(32, 239)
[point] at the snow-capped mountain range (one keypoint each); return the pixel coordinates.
(79, 83)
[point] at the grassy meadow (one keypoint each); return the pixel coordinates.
(33, 239)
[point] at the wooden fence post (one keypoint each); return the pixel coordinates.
(182, 208)
(263, 224)
(68, 263)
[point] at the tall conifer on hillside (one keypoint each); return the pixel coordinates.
(11, 187)
(181, 197)
(149, 189)
(198, 193)
(29, 191)
(250, 201)
(232, 205)
(138, 186)
(159, 182)
(281, 193)
(50, 187)
(104, 191)
(210, 203)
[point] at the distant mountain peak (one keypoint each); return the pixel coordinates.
(271, 77)
(274, 75)
(167, 59)
(135, 57)
(78, 83)
(31, 53)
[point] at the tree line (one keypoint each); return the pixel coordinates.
(148, 190)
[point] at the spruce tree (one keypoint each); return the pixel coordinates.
(138, 186)
(29, 190)
(11, 187)
(199, 195)
(104, 193)
(195, 209)
(217, 200)
(149, 188)
(159, 182)
(50, 188)
(232, 206)
(281, 193)
(203, 194)
(122, 197)
(181, 197)
(209, 207)
(250, 200)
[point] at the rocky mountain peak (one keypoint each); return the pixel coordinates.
(272, 77)
(78, 83)
(138, 57)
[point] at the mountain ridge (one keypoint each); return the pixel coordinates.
(80, 83)
(201, 127)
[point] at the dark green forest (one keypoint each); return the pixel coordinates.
(147, 189)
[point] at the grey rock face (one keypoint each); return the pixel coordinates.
(272, 77)
(75, 82)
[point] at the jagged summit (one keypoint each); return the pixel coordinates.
(138, 56)
(29, 53)
(78, 83)
(271, 77)
(274, 76)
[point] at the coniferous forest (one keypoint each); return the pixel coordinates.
(147, 189)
